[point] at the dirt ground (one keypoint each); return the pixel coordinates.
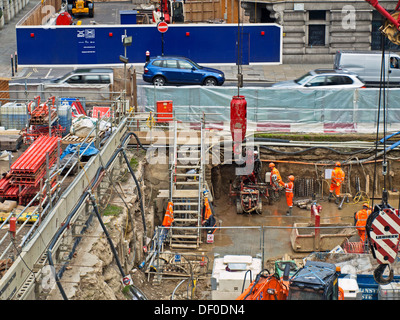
(275, 240)
(244, 234)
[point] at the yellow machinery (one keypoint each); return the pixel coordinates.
(81, 7)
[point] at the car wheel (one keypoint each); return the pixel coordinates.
(210, 82)
(159, 81)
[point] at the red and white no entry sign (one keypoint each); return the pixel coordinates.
(162, 26)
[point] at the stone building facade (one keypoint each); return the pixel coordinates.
(314, 30)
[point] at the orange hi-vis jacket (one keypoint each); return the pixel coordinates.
(289, 187)
(275, 172)
(169, 215)
(207, 211)
(337, 176)
(289, 193)
(361, 217)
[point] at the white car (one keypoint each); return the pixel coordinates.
(87, 76)
(323, 79)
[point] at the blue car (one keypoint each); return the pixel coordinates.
(179, 70)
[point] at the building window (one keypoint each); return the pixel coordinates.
(316, 34)
(317, 15)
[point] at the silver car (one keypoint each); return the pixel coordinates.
(323, 79)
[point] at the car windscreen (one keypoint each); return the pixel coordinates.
(195, 64)
(303, 79)
(62, 79)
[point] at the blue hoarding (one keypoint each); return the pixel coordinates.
(102, 44)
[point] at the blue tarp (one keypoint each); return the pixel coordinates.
(85, 149)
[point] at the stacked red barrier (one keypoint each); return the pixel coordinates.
(23, 180)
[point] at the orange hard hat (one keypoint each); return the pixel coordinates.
(272, 165)
(337, 164)
(291, 178)
(365, 204)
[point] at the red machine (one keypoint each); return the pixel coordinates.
(392, 26)
(64, 19)
(247, 195)
(170, 11)
(163, 12)
(238, 122)
(266, 287)
(315, 281)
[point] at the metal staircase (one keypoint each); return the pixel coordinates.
(186, 191)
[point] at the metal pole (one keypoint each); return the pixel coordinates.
(12, 66)
(97, 141)
(162, 44)
(123, 108)
(48, 185)
(317, 231)
(16, 61)
(49, 120)
(58, 164)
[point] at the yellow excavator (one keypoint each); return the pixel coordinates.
(81, 7)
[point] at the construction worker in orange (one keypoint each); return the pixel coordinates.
(337, 179)
(361, 220)
(275, 178)
(208, 219)
(289, 194)
(168, 220)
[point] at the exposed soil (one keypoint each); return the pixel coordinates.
(277, 225)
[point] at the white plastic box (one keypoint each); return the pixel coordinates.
(228, 275)
(350, 289)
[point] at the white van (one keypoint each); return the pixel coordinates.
(367, 65)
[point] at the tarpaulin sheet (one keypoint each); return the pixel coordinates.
(85, 149)
(303, 109)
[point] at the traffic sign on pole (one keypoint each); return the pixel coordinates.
(162, 27)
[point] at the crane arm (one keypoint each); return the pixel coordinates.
(384, 12)
(391, 27)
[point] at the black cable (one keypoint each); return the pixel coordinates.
(137, 294)
(139, 192)
(137, 140)
(382, 79)
(135, 291)
(312, 148)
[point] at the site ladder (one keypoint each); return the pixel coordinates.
(186, 188)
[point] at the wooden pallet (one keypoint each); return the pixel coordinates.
(69, 138)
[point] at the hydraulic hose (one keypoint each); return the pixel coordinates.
(137, 140)
(257, 279)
